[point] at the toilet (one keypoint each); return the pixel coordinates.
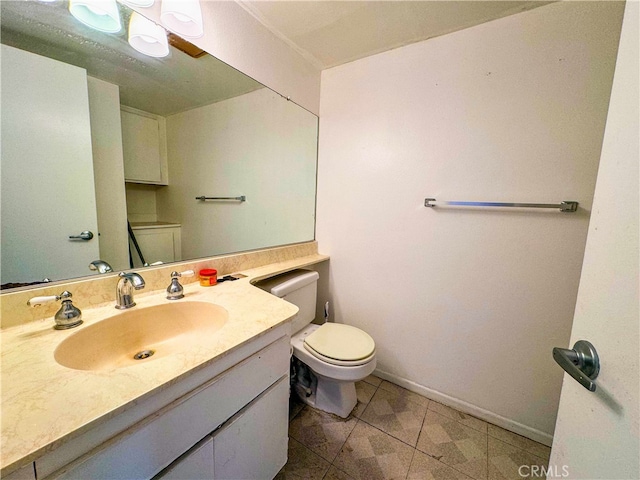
(336, 355)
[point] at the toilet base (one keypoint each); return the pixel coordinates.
(338, 398)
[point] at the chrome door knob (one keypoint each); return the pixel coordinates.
(86, 235)
(582, 363)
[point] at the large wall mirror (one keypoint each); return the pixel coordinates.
(102, 145)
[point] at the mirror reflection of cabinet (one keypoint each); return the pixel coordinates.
(159, 242)
(144, 147)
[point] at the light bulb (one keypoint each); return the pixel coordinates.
(102, 15)
(183, 17)
(147, 37)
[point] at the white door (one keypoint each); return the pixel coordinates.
(48, 192)
(597, 432)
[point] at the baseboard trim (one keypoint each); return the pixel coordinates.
(481, 413)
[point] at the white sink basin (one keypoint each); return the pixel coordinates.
(147, 333)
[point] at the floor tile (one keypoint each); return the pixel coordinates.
(302, 463)
(507, 462)
(396, 415)
(520, 442)
(463, 418)
(455, 444)
(336, 474)
(322, 432)
(414, 397)
(295, 405)
(423, 467)
(370, 454)
(373, 380)
(364, 392)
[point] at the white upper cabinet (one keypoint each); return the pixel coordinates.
(144, 147)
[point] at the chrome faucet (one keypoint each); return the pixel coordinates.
(124, 291)
(101, 266)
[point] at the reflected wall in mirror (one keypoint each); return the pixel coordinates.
(96, 135)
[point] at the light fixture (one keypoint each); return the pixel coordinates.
(101, 15)
(147, 37)
(138, 3)
(183, 17)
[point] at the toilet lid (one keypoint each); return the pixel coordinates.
(341, 342)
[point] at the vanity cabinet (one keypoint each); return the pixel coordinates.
(243, 447)
(144, 147)
(25, 473)
(197, 463)
(233, 425)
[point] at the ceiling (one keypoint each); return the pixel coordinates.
(329, 33)
(163, 86)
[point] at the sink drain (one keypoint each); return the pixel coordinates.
(143, 354)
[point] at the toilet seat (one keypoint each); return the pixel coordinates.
(323, 369)
(339, 344)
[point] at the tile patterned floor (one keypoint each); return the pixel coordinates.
(397, 434)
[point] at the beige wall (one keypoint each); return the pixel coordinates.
(257, 145)
(141, 203)
(232, 35)
(466, 306)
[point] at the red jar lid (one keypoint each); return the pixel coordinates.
(208, 272)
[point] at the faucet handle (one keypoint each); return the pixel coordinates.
(68, 316)
(36, 301)
(175, 291)
(186, 273)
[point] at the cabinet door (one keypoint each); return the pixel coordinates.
(141, 148)
(157, 244)
(196, 464)
(25, 473)
(253, 443)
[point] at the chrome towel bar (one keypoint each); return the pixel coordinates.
(565, 206)
(241, 198)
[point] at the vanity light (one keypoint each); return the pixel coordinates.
(147, 37)
(183, 17)
(102, 15)
(138, 3)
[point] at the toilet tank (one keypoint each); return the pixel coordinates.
(299, 287)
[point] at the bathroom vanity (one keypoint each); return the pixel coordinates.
(215, 409)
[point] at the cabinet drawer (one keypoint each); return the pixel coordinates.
(252, 445)
(196, 464)
(155, 442)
